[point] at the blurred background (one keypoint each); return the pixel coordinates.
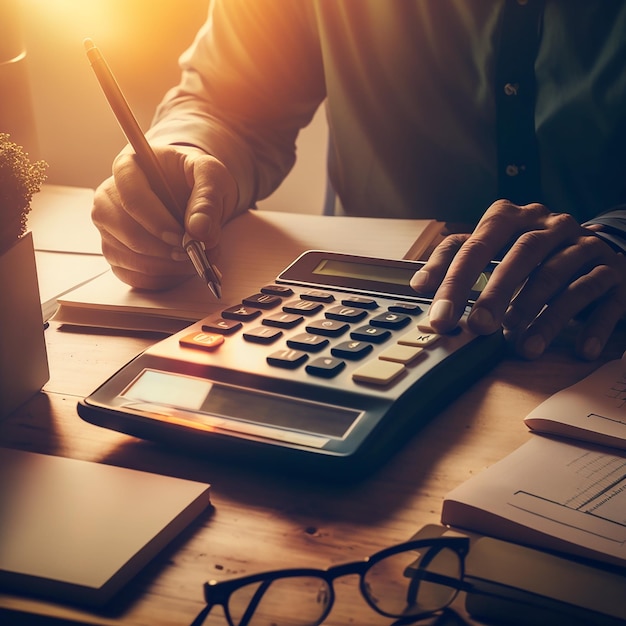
(47, 86)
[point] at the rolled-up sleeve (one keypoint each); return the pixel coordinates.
(251, 80)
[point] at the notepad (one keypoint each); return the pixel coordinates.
(79, 531)
(255, 247)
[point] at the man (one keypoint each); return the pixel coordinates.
(506, 115)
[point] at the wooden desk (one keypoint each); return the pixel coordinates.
(263, 521)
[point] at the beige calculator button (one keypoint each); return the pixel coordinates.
(425, 327)
(419, 339)
(400, 354)
(378, 372)
(202, 341)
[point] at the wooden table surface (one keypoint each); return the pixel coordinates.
(264, 520)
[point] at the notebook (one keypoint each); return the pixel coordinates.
(79, 531)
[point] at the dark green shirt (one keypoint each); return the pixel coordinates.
(436, 108)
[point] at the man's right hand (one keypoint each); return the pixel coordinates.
(141, 239)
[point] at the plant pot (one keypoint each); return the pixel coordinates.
(23, 357)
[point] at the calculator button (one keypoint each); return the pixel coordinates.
(305, 307)
(330, 328)
(221, 326)
(308, 342)
(277, 290)
(360, 302)
(419, 339)
(401, 354)
(262, 300)
(317, 296)
(262, 334)
(390, 320)
(283, 320)
(425, 327)
(345, 313)
(353, 350)
(410, 308)
(201, 341)
(241, 312)
(327, 367)
(371, 334)
(377, 372)
(286, 358)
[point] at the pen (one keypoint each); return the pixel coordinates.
(149, 163)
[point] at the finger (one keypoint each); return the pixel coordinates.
(120, 255)
(141, 203)
(496, 228)
(604, 317)
(213, 199)
(429, 276)
(144, 271)
(114, 223)
(545, 282)
(528, 251)
(557, 314)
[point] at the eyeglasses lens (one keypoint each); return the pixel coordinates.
(293, 601)
(399, 585)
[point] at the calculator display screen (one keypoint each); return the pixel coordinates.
(365, 271)
(204, 400)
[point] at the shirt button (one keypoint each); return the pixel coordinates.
(510, 89)
(512, 170)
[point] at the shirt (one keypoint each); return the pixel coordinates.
(435, 108)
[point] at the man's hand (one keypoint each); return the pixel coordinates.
(553, 270)
(141, 239)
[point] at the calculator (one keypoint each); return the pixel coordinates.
(328, 370)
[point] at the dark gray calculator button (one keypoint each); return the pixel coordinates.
(277, 290)
(353, 350)
(241, 312)
(287, 358)
(305, 307)
(371, 334)
(330, 328)
(317, 296)
(221, 326)
(308, 342)
(282, 320)
(262, 300)
(345, 313)
(262, 334)
(327, 367)
(410, 308)
(360, 302)
(390, 320)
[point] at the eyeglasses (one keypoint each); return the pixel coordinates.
(411, 581)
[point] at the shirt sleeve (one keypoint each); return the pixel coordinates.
(613, 224)
(251, 80)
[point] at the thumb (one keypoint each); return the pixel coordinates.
(212, 200)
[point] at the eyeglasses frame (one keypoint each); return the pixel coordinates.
(217, 593)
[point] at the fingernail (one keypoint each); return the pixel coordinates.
(172, 239)
(534, 346)
(178, 254)
(512, 318)
(441, 311)
(199, 225)
(419, 280)
(592, 348)
(482, 320)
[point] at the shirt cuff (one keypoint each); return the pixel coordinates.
(613, 228)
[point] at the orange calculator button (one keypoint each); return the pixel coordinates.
(202, 341)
